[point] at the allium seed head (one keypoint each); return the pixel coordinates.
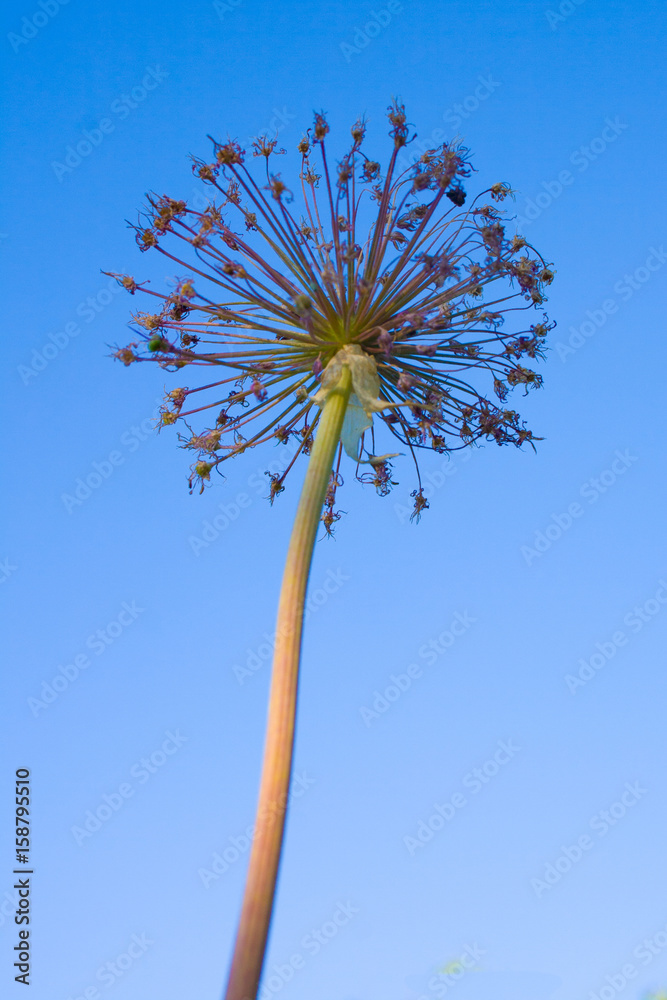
(413, 299)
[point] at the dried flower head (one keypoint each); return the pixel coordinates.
(389, 274)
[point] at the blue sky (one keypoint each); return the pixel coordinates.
(519, 628)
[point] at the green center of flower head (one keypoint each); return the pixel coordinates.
(385, 272)
(364, 399)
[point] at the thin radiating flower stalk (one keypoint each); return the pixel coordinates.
(380, 309)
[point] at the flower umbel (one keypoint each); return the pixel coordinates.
(387, 272)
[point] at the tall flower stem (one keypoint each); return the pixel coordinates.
(278, 749)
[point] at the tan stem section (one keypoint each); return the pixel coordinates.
(260, 886)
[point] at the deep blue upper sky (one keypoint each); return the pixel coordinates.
(545, 867)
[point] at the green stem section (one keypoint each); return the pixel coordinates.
(267, 842)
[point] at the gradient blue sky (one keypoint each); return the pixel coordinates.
(536, 92)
